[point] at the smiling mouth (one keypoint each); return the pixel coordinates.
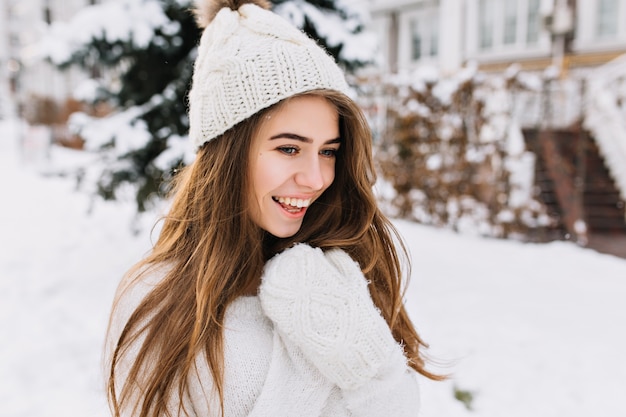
(293, 205)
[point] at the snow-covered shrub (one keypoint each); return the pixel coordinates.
(452, 155)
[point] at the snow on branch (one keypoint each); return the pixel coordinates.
(125, 21)
(342, 27)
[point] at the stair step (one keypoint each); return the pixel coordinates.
(603, 206)
(605, 217)
(600, 188)
(607, 201)
(591, 193)
(605, 227)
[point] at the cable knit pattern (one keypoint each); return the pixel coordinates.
(321, 303)
(268, 375)
(249, 59)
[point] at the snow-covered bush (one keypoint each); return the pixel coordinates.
(451, 153)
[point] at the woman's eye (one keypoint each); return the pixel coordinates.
(330, 153)
(288, 150)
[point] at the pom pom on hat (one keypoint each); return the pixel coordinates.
(249, 58)
(207, 10)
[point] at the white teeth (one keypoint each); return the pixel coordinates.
(294, 202)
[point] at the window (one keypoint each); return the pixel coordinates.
(486, 23)
(506, 24)
(510, 21)
(416, 40)
(47, 13)
(434, 38)
(424, 36)
(606, 22)
(532, 31)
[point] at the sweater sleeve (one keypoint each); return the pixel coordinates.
(321, 304)
(393, 392)
(293, 386)
(130, 294)
(263, 375)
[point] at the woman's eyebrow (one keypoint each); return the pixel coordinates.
(301, 138)
(291, 136)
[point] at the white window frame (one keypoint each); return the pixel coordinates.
(614, 14)
(427, 19)
(499, 49)
(381, 26)
(587, 39)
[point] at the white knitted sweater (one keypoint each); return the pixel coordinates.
(267, 374)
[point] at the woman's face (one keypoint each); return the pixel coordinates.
(292, 162)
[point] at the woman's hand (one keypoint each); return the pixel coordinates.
(320, 302)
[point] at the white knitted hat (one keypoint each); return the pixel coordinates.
(248, 59)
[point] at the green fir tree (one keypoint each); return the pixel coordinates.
(146, 78)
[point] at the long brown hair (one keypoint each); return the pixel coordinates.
(208, 224)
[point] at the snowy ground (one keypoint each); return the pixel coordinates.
(528, 330)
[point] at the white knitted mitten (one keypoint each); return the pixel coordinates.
(321, 303)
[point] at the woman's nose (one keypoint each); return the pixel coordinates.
(311, 174)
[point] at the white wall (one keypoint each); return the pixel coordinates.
(381, 26)
(6, 105)
(452, 32)
(4, 41)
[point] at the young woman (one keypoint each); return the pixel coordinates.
(275, 287)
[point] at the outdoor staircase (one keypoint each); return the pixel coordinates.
(575, 185)
(580, 169)
(603, 205)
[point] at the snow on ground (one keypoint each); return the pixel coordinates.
(528, 330)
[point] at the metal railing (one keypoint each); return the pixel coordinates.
(605, 116)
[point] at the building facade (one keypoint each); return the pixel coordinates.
(495, 33)
(442, 33)
(573, 125)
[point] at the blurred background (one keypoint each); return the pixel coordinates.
(499, 132)
(503, 118)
